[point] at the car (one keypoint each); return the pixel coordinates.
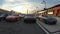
(48, 19)
(22, 16)
(3, 16)
(37, 17)
(12, 18)
(30, 18)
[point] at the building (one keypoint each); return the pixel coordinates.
(52, 11)
(56, 10)
(4, 11)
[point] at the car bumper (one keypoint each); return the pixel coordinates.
(30, 20)
(11, 20)
(52, 22)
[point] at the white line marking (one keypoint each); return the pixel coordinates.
(42, 27)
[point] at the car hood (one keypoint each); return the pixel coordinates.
(29, 17)
(10, 16)
(52, 19)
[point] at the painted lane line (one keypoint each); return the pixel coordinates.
(42, 27)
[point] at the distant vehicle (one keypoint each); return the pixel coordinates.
(12, 18)
(22, 16)
(30, 18)
(3, 16)
(48, 19)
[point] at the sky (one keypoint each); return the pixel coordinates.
(24, 5)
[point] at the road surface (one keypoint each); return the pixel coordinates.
(19, 28)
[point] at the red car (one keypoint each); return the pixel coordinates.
(12, 18)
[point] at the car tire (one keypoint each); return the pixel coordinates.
(25, 21)
(34, 21)
(2, 19)
(45, 21)
(53, 23)
(29, 21)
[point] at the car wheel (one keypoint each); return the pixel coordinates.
(18, 19)
(2, 19)
(53, 23)
(34, 21)
(45, 22)
(25, 21)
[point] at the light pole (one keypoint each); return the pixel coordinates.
(27, 11)
(37, 8)
(44, 2)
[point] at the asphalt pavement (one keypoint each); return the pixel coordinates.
(19, 28)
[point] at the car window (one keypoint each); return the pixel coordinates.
(47, 16)
(12, 15)
(2, 14)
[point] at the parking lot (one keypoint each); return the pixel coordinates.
(19, 28)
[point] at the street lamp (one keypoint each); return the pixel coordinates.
(44, 2)
(37, 9)
(27, 11)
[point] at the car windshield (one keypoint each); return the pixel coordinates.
(29, 16)
(47, 16)
(12, 15)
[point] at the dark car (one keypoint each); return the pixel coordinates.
(3, 16)
(48, 19)
(30, 18)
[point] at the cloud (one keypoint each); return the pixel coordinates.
(15, 1)
(57, 0)
(21, 5)
(9, 0)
